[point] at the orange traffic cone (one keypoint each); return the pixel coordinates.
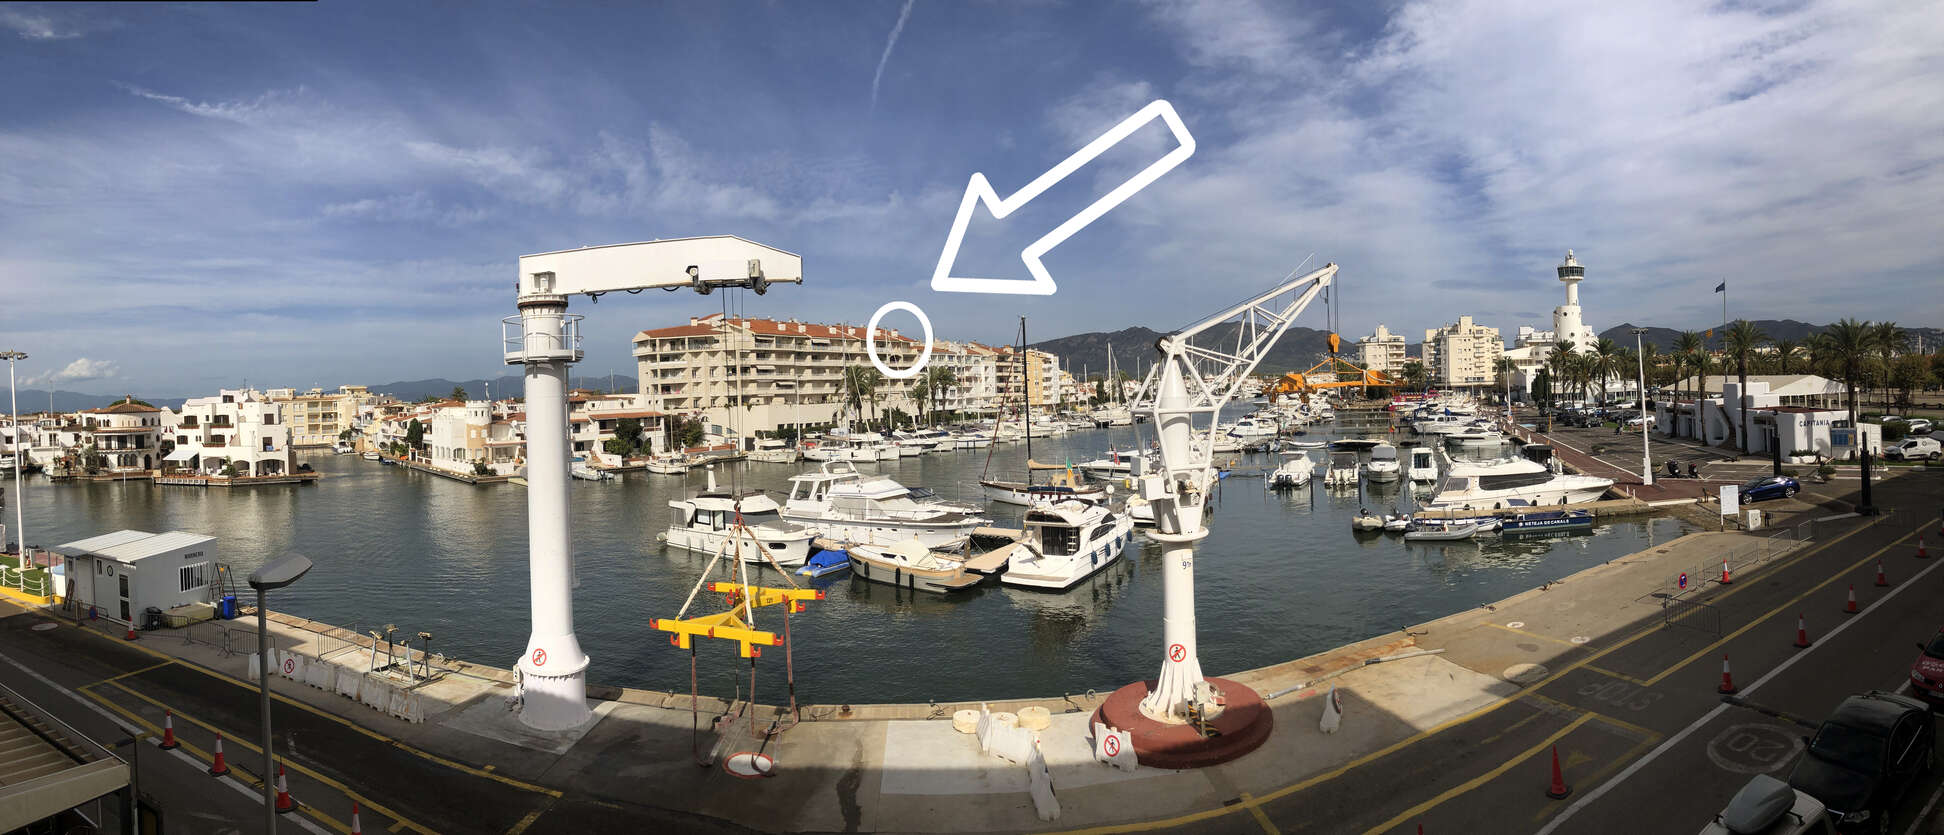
(218, 768)
(1727, 679)
(1725, 579)
(1558, 789)
(131, 633)
(168, 731)
(1850, 608)
(1802, 632)
(356, 827)
(1921, 554)
(284, 804)
(1881, 580)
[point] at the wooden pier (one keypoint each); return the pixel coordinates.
(178, 480)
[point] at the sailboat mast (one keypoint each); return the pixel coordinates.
(1026, 400)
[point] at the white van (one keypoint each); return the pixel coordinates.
(1912, 449)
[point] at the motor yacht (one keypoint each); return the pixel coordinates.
(774, 451)
(1253, 427)
(1342, 471)
(1423, 466)
(339, 448)
(1065, 542)
(910, 564)
(669, 463)
(878, 510)
(1492, 485)
(706, 521)
(1383, 465)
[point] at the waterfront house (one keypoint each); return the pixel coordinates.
(235, 430)
(127, 435)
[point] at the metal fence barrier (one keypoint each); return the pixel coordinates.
(1692, 614)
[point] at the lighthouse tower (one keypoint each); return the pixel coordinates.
(1568, 325)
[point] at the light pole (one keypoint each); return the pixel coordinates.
(275, 574)
(1646, 457)
(20, 499)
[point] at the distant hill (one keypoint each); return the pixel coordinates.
(1776, 329)
(1298, 349)
(35, 400)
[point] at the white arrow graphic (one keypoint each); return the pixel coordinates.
(980, 191)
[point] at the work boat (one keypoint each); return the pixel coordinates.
(1294, 472)
(1382, 465)
(705, 521)
(850, 508)
(1066, 542)
(1423, 466)
(1494, 485)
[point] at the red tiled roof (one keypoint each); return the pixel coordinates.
(770, 327)
(124, 408)
(678, 330)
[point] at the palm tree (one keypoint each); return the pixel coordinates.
(1785, 350)
(862, 382)
(1890, 341)
(1414, 375)
(1503, 367)
(1844, 347)
(938, 382)
(1606, 364)
(1740, 342)
(1687, 347)
(1557, 360)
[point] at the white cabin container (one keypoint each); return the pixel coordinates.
(123, 574)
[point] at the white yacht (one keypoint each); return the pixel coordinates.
(669, 463)
(1065, 483)
(910, 564)
(1115, 465)
(340, 448)
(1383, 465)
(1491, 485)
(1066, 542)
(877, 510)
(1254, 427)
(1424, 467)
(774, 451)
(971, 439)
(1342, 471)
(703, 523)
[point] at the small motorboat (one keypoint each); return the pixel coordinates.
(1309, 444)
(1548, 522)
(1383, 464)
(1397, 524)
(669, 463)
(372, 456)
(1367, 521)
(911, 565)
(1293, 473)
(1342, 471)
(342, 448)
(825, 563)
(1441, 532)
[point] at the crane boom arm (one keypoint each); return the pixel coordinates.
(700, 263)
(1213, 375)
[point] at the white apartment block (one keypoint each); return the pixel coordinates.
(1461, 355)
(1382, 351)
(237, 427)
(976, 368)
(593, 418)
(755, 375)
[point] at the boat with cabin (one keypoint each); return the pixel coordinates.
(878, 510)
(1383, 464)
(1295, 471)
(910, 564)
(1495, 485)
(1065, 542)
(1423, 465)
(706, 522)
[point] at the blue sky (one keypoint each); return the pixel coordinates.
(315, 194)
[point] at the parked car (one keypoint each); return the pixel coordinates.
(1927, 672)
(1770, 807)
(1865, 757)
(1638, 421)
(1912, 449)
(1918, 426)
(1769, 487)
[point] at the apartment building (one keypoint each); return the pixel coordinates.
(1382, 351)
(1462, 355)
(976, 369)
(315, 417)
(593, 418)
(237, 427)
(756, 375)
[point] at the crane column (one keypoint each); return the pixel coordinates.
(553, 670)
(1178, 526)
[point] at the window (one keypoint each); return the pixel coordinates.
(194, 575)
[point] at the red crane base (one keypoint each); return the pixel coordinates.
(1244, 725)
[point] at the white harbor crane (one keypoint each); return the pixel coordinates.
(545, 339)
(1190, 384)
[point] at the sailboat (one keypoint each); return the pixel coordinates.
(1068, 485)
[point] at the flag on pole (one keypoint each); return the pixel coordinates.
(1722, 287)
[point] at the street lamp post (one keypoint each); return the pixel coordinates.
(275, 574)
(20, 500)
(1646, 457)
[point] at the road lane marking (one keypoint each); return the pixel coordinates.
(1792, 602)
(1621, 676)
(292, 764)
(1262, 819)
(1719, 709)
(1326, 776)
(1562, 641)
(130, 673)
(1481, 779)
(1644, 733)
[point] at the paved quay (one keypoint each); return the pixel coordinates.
(1432, 738)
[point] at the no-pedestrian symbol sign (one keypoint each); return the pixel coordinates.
(1683, 580)
(540, 655)
(1177, 652)
(290, 666)
(1111, 745)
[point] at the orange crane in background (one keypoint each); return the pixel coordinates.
(1341, 373)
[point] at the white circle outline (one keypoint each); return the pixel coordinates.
(870, 340)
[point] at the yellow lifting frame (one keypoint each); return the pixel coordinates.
(729, 625)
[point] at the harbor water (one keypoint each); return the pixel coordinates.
(1280, 576)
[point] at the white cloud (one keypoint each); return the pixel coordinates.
(890, 43)
(80, 370)
(35, 25)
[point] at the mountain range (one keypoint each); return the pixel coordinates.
(1776, 330)
(1133, 348)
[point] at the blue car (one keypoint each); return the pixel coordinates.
(1770, 487)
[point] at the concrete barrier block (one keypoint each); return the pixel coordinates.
(1044, 803)
(406, 705)
(254, 671)
(320, 674)
(290, 665)
(375, 693)
(347, 682)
